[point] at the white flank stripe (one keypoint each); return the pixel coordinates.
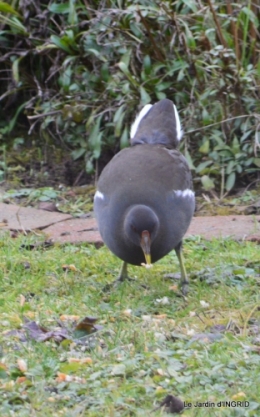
(138, 119)
(179, 131)
(184, 193)
(100, 195)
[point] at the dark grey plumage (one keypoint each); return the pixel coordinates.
(144, 201)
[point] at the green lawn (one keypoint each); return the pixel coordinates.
(152, 341)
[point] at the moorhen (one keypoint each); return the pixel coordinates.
(144, 201)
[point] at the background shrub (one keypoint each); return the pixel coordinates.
(78, 71)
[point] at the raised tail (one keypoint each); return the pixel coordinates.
(157, 124)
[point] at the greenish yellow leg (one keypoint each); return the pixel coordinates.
(123, 273)
(184, 283)
(121, 277)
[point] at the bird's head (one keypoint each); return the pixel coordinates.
(141, 227)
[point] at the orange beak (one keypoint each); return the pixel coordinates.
(146, 246)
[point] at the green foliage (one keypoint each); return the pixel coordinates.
(41, 194)
(80, 73)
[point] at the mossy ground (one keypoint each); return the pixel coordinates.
(147, 347)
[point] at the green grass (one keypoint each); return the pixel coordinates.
(146, 348)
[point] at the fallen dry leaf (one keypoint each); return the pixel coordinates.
(160, 316)
(32, 330)
(160, 372)
(239, 396)
(41, 334)
(75, 332)
(52, 399)
(22, 365)
(61, 377)
(70, 267)
(22, 300)
(30, 314)
(88, 324)
(8, 385)
(127, 312)
(65, 317)
(78, 333)
(3, 366)
(83, 361)
(174, 288)
(21, 379)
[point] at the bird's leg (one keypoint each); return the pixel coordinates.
(123, 273)
(184, 283)
(123, 276)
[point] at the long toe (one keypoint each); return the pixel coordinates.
(184, 286)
